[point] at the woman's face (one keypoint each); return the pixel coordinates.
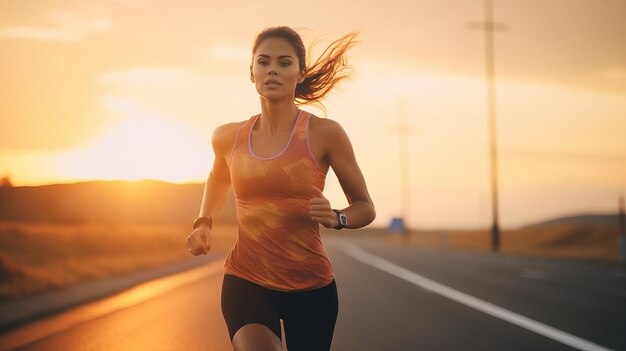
(275, 69)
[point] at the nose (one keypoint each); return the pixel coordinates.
(271, 69)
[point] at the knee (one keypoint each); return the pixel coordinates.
(256, 337)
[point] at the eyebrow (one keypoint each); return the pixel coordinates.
(282, 56)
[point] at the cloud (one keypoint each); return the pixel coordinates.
(225, 52)
(147, 76)
(66, 26)
(177, 93)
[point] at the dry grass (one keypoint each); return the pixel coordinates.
(597, 242)
(35, 257)
(40, 257)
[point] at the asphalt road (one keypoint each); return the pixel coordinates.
(391, 297)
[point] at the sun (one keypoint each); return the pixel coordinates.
(140, 148)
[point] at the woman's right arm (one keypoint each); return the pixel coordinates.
(216, 188)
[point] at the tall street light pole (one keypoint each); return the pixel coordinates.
(404, 163)
(488, 26)
(401, 224)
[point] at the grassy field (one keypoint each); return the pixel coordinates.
(40, 257)
(35, 258)
(594, 242)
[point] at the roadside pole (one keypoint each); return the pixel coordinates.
(621, 242)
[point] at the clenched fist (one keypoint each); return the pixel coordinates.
(321, 211)
(199, 241)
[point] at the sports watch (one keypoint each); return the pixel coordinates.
(203, 220)
(342, 219)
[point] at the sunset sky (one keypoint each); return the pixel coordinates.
(132, 89)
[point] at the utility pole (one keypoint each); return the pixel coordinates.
(488, 26)
(400, 224)
(621, 243)
(404, 131)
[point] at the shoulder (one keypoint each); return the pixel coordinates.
(329, 132)
(224, 136)
(332, 138)
(326, 128)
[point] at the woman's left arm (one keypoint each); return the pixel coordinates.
(341, 158)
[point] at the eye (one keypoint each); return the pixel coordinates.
(261, 62)
(285, 63)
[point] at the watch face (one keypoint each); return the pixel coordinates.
(343, 220)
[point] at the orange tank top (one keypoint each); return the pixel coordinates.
(278, 245)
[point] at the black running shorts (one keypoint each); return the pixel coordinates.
(308, 316)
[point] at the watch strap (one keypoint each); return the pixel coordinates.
(339, 215)
(203, 220)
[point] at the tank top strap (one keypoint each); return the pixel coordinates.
(241, 138)
(302, 128)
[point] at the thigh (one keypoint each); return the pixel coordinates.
(244, 303)
(310, 317)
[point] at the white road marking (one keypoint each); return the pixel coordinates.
(534, 274)
(473, 302)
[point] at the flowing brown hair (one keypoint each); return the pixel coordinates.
(321, 77)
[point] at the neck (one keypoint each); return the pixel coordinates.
(277, 116)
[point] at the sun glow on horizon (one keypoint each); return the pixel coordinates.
(165, 137)
(139, 148)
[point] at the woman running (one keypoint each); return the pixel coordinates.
(276, 163)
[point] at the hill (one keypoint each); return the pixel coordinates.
(584, 219)
(582, 236)
(146, 201)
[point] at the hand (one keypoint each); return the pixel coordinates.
(321, 211)
(199, 241)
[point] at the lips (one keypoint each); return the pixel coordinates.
(272, 81)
